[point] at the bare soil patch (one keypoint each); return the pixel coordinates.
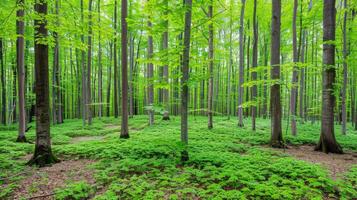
(337, 164)
(43, 181)
(86, 138)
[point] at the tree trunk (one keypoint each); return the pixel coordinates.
(150, 76)
(345, 78)
(89, 65)
(109, 78)
(185, 79)
(84, 90)
(43, 154)
(327, 142)
(116, 90)
(100, 70)
(294, 82)
(254, 65)
(241, 67)
(20, 52)
(3, 89)
(124, 132)
(165, 70)
(275, 101)
(211, 64)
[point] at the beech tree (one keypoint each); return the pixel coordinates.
(124, 66)
(275, 101)
(185, 78)
(327, 142)
(43, 153)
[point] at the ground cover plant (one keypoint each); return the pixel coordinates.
(225, 163)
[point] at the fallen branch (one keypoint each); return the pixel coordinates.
(39, 196)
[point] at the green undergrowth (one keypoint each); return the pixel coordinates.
(226, 162)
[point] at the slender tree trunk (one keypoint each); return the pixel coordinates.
(89, 65)
(150, 76)
(345, 71)
(84, 90)
(165, 70)
(185, 79)
(124, 132)
(327, 142)
(3, 86)
(43, 154)
(100, 70)
(20, 52)
(254, 65)
(275, 101)
(294, 82)
(109, 78)
(211, 65)
(116, 90)
(131, 71)
(241, 67)
(230, 64)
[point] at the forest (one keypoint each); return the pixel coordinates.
(190, 99)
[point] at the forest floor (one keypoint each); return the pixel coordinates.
(226, 162)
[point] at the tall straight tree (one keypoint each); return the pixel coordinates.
(254, 64)
(211, 64)
(100, 67)
(84, 90)
(3, 86)
(89, 64)
(185, 78)
(275, 101)
(345, 77)
(20, 52)
(116, 90)
(241, 67)
(327, 142)
(124, 132)
(294, 82)
(150, 74)
(165, 70)
(43, 153)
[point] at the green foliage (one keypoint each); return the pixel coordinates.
(74, 191)
(225, 163)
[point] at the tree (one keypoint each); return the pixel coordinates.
(211, 64)
(124, 132)
(84, 88)
(345, 77)
(3, 90)
(327, 142)
(43, 153)
(255, 64)
(100, 68)
(89, 65)
(165, 70)
(185, 78)
(150, 75)
(241, 67)
(275, 104)
(20, 52)
(116, 90)
(294, 82)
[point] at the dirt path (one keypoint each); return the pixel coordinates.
(337, 164)
(86, 138)
(43, 181)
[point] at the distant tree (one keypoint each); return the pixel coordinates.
(345, 70)
(3, 86)
(275, 101)
(89, 65)
(165, 70)
(327, 142)
(185, 78)
(43, 153)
